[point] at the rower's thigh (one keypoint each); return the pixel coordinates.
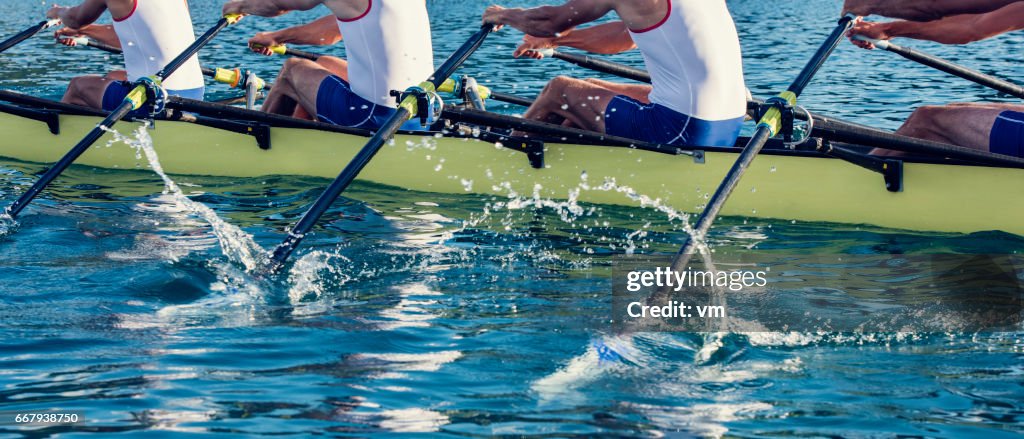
(87, 90)
(963, 125)
(304, 77)
(586, 101)
(337, 66)
(640, 92)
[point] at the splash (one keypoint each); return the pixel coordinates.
(7, 225)
(236, 244)
(314, 274)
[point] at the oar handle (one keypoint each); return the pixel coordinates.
(282, 49)
(236, 78)
(451, 85)
(881, 44)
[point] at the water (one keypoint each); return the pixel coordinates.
(122, 297)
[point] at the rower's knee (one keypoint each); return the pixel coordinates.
(81, 89)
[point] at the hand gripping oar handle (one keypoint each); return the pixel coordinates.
(28, 33)
(135, 99)
(282, 49)
(87, 42)
(406, 110)
(600, 65)
(940, 64)
(768, 125)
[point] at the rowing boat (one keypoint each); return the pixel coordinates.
(782, 185)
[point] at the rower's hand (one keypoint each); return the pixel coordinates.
(531, 45)
(495, 15)
(66, 36)
(262, 42)
(877, 31)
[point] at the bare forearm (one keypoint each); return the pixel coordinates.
(960, 29)
(102, 33)
(925, 10)
(607, 38)
(77, 17)
(268, 8)
(539, 22)
(322, 32)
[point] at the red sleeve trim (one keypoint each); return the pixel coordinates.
(663, 20)
(135, 5)
(367, 11)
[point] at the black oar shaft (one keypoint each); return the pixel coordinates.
(352, 170)
(104, 47)
(25, 34)
(603, 66)
(956, 70)
(51, 174)
(192, 50)
(766, 128)
(302, 54)
(511, 99)
(119, 113)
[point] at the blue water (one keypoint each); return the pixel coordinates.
(421, 313)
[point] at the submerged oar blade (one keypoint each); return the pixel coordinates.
(349, 174)
(767, 126)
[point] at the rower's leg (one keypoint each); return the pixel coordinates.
(966, 125)
(576, 101)
(338, 67)
(297, 84)
(88, 90)
(640, 92)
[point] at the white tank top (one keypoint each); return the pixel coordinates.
(153, 34)
(693, 56)
(388, 47)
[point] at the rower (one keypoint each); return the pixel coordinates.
(149, 32)
(690, 48)
(322, 32)
(388, 47)
(995, 127)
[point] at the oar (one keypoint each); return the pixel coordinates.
(135, 99)
(27, 33)
(948, 67)
(767, 126)
(236, 78)
(406, 110)
(282, 49)
(600, 65)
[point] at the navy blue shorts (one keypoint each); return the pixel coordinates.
(628, 117)
(337, 104)
(1008, 134)
(116, 91)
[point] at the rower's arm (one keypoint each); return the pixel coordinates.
(923, 10)
(268, 8)
(102, 33)
(79, 16)
(958, 29)
(322, 32)
(606, 38)
(549, 21)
